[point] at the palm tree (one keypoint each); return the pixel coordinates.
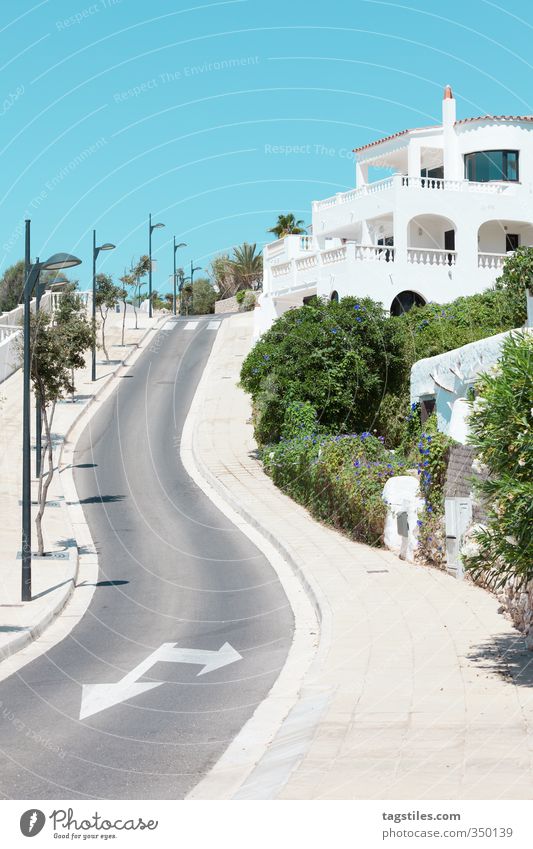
(247, 267)
(287, 225)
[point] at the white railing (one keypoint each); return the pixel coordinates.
(55, 297)
(307, 262)
(489, 260)
(374, 253)
(281, 269)
(333, 255)
(433, 183)
(352, 194)
(452, 185)
(276, 247)
(306, 243)
(431, 256)
(7, 330)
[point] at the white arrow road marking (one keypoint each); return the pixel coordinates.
(98, 697)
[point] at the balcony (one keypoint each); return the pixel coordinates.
(402, 181)
(378, 267)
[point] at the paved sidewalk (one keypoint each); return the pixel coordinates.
(52, 579)
(419, 689)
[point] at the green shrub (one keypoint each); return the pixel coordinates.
(514, 283)
(239, 296)
(501, 432)
(339, 479)
(336, 356)
(435, 328)
(248, 302)
(299, 420)
(433, 450)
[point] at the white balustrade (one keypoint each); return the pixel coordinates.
(362, 191)
(306, 262)
(7, 330)
(276, 247)
(490, 260)
(334, 255)
(432, 183)
(306, 243)
(374, 253)
(430, 256)
(281, 269)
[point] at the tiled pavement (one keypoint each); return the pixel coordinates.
(420, 688)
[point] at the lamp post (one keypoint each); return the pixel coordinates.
(151, 228)
(191, 278)
(96, 250)
(181, 245)
(31, 277)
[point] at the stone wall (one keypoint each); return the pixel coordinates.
(227, 305)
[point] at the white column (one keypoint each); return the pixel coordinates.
(413, 158)
(361, 175)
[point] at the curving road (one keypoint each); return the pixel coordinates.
(175, 574)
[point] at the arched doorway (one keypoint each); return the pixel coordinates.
(334, 297)
(404, 301)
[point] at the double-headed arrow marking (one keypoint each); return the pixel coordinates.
(98, 697)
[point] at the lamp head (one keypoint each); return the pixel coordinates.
(58, 261)
(157, 226)
(107, 247)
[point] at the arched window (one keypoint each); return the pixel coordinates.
(404, 301)
(334, 296)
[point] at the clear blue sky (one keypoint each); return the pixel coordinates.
(112, 109)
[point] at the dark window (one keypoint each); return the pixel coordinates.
(449, 244)
(404, 301)
(433, 173)
(486, 165)
(427, 407)
(335, 297)
(512, 241)
(387, 241)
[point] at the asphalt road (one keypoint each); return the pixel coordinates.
(173, 570)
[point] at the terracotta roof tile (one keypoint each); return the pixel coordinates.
(528, 118)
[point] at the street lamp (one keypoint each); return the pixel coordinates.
(181, 245)
(151, 228)
(96, 250)
(31, 276)
(189, 278)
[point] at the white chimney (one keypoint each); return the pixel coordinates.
(451, 159)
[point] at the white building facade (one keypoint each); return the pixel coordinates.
(459, 199)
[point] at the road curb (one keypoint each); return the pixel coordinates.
(230, 774)
(74, 520)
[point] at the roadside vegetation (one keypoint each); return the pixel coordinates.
(58, 344)
(330, 391)
(501, 432)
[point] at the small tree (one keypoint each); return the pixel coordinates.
(247, 266)
(107, 297)
(203, 297)
(57, 348)
(515, 281)
(134, 279)
(12, 284)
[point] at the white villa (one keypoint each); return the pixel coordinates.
(458, 200)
